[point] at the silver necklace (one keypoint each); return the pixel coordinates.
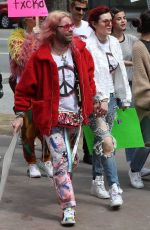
(63, 58)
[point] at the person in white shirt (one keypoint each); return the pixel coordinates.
(78, 9)
(82, 29)
(119, 22)
(111, 82)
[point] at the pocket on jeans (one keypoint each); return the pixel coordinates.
(41, 113)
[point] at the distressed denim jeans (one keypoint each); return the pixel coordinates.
(101, 162)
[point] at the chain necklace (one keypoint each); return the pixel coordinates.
(63, 58)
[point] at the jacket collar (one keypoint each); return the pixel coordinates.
(44, 52)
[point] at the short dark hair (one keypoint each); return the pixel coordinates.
(142, 23)
(96, 12)
(115, 11)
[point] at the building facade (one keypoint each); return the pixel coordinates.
(57, 4)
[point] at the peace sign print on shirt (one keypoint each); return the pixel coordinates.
(66, 80)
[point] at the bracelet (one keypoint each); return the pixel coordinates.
(104, 100)
(20, 114)
(97, 99)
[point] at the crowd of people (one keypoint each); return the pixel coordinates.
(73, 72)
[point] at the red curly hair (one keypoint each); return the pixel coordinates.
(94, 14)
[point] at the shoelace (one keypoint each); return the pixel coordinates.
(33, 166)
(47, 163)
(101, 185)
(69, 213)
(137, 177)
(115, 192)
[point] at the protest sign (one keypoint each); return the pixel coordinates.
(126, 130)
(27, 8)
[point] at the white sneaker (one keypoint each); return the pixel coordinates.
(98, 188)
(135, 179)
(115, 196)
(46, 167)
(145, 172)
(68, 217)
(33, 171)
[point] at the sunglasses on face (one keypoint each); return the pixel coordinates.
(67, 27)
(106, 22)
(80, 8)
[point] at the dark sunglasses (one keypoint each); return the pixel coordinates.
(80, 8)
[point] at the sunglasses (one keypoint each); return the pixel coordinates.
(106, 21)
(67, 27)
(80, 8)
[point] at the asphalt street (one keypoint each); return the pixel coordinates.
(31, 204)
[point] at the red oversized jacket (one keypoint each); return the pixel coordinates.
(39, 86)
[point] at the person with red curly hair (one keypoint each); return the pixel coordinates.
(111, 82)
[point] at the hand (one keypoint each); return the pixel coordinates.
(124, 107)
(96, 107)
(103, 108)
(36, 29)
(17, 124)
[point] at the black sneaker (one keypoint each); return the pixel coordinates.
(87, 159)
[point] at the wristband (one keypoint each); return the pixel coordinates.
(104, 100)
(20, 114)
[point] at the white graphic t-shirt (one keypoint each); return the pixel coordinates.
(83, 31)
(68, 98)
(112, 63)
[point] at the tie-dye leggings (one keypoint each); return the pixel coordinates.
(62, 180)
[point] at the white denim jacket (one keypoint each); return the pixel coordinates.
(101, 74)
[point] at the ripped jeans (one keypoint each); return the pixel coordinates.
(61, 176)
(101, 127)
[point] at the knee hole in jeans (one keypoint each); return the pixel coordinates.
(108, 146)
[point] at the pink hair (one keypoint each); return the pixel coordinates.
(48, 28)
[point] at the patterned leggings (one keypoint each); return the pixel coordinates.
(28, 134)
(62, 181)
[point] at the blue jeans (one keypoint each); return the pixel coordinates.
(101, 162)
(130, 152)
(139, 158)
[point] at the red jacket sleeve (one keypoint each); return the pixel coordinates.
(90, 64)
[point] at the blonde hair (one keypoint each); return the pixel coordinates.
(72, 2)
(49, 26)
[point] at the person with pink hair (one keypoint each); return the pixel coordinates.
(60, 88)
